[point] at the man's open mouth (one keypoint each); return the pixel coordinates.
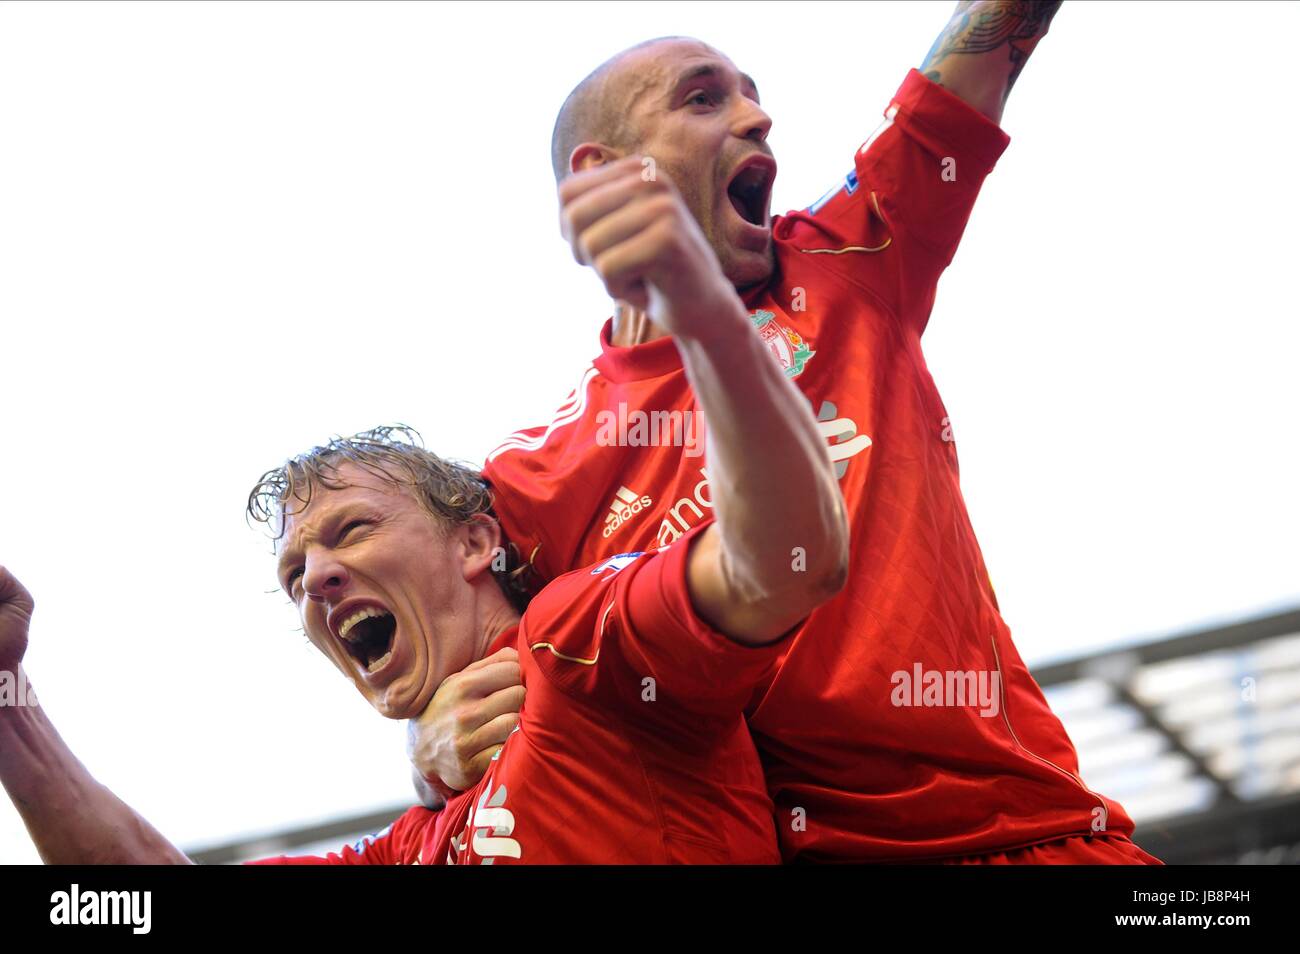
(748, 191)
(368, 636)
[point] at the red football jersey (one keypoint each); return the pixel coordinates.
(631, 745)
(901, 723)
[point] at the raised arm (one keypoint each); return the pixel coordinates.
(779, 544)
(984, 47)
(71, 817)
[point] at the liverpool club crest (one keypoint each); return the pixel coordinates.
(790, 350)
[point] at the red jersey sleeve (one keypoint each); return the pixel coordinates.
(651, 658)
(906, 203)
(398, 844)
(702, 669)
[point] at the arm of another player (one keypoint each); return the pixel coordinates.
(779, 544)
(985, 45)
(71, 817)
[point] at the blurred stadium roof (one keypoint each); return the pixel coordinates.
(1198, 736)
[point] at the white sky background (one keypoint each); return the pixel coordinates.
(228, 231)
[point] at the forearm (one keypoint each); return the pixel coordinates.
(72, 818)
(985, 45)
(778, 508)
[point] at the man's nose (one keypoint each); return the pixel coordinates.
(324, 578)
(751, 121)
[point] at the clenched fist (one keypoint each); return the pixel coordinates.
(466, 722)
(629, 223)
(15, 616)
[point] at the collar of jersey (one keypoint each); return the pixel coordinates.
(649, 360)
(507, 637)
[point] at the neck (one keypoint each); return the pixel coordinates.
(633, 326)
(495, 621)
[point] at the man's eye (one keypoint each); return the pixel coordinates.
(289, 584)
(350, 527)
(700, 99)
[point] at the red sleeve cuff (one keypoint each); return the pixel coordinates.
(659, 601)
(945, 124)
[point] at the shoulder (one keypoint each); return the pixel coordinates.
(565, 622)
(530, 443)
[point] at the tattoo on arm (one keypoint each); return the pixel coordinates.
(1015, 24)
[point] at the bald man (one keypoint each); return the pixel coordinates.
(901, 723)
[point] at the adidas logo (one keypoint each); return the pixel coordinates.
(626, 505)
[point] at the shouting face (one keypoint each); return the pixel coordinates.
(689, 109)
(383, 589)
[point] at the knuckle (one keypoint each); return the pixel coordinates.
(667, 234)
(604, 266)
(663, 206)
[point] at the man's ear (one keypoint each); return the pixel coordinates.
(482, 544)
(589, 155)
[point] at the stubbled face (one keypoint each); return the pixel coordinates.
(381, 589)
(699, 118)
